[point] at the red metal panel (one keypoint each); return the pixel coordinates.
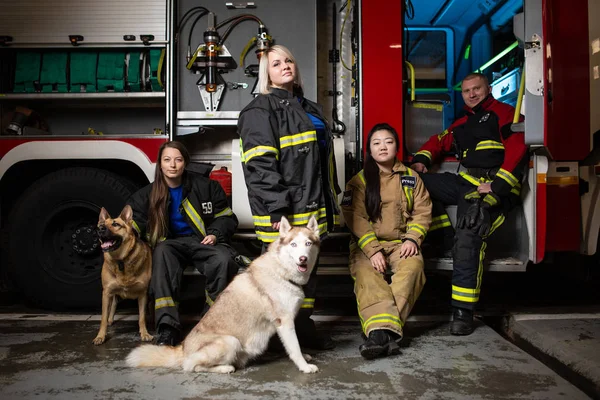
(382, 63)
(563, 216)
(149, 145)
(566, 66)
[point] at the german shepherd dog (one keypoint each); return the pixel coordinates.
(126, 271)
(258, 303)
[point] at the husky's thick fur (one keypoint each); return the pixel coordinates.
(257, 303)
(126, 271)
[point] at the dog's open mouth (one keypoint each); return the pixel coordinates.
(110, 243)
(302, 267)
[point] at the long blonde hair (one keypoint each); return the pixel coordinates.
(264, 82)
(158, 225)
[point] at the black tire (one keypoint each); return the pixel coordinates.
(54, 255)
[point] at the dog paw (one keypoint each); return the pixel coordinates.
(99, 340)
(307, 357)
(110, 322)
(223, 369)
(309, 369)
(146, 337)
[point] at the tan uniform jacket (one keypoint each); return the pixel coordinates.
(405, 209)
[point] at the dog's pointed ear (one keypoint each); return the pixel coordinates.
(126, 213)
(103, 216)
(313, 225)
(284, 226)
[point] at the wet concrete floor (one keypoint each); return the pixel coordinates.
(52, 357)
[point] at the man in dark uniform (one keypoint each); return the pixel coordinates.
(494, 157)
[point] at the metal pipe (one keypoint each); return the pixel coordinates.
(412, 80)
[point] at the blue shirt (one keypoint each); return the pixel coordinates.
(178, 224)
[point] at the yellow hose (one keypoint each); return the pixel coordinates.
(246, 48)
(520, 98)
(412, 80)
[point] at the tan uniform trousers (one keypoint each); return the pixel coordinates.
(382, 305)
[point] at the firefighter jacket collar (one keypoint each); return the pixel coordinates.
(485, 105)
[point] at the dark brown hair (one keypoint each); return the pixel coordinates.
(157, 208)
(371, 171)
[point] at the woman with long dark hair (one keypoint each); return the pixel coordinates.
(388, 211)
(187, 220)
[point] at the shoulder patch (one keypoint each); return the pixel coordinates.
(347, 198)
(409, 181)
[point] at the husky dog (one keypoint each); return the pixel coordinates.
(257, 303)
(126, 271)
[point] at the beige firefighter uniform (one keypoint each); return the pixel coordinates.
(405, 214)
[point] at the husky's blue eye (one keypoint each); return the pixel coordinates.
(308, 243)
(293, 244)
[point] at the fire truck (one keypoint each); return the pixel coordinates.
(90, 90)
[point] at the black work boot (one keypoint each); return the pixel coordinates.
(462, 322)
(380, 343)
(309, 337)
(167, 336)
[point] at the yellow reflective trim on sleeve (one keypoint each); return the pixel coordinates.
(489, 145)
(419, 228)
(299, 138)
(261, 220)
(194, 216)
(366, 239)
(507, 176)
(260, 151)
(424, 153)
(226, 212)
(490, 200)
(472, 195)
(163, 302)
(441, 135)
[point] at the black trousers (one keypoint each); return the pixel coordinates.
(171, 257)
(469, 248)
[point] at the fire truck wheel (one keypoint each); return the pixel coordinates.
(54, 254)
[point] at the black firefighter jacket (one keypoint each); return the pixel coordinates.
(282, 163)
(204, 207)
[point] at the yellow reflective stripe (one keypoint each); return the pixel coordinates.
(489, 145)
(465, 294)
(516, 190)
(136, 227)
(267, 237)
(472, 195)
(260, 151)
(441, 135)
(366, 239)
(424, 153)
(490, 200)
(302, 219)
(163, 302)
(361, 176)
(480, 267)
(408, 191)
(209, 301)
(382, 319)
(419, 228)
(439, 222)
(261, 220)
(507, 176)
(299, 138)
(336, 219)
(226, 212)
(496, 224)
(194, 216)
(391, 241)
(308, 303)
(470, 179)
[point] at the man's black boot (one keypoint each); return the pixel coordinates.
(167, 336)
(309, 337)
(379, 344)
(462, 322)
